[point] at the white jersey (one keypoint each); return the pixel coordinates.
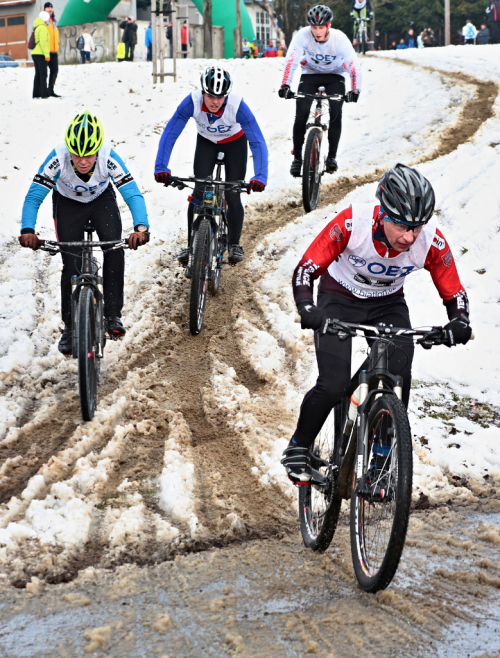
(212, 127)
(71, 186)
(334, 56)
(363, 271)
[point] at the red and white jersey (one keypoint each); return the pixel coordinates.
(213, 127)
(334, 56)
(353, 259)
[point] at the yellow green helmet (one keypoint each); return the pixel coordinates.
(84, 135)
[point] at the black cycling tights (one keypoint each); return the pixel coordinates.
(334, 357)
(70, 217)
(333, 84)
(235, 160)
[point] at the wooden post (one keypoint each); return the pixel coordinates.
(237, 32)
(159, 24)
(447, 33)
(208, 50)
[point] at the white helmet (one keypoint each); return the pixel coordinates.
(216, 82)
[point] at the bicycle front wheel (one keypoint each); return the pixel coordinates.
(363, 44)
(88, 368)
(381, 499)
(311, 172)
(318, 510)
(200, 276)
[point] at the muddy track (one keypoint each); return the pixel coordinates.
(175, 368)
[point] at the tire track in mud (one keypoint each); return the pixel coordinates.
(182, 369)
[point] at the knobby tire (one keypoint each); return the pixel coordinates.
(200, 276)
(318, 510)
(311, 172)
(88, 367)
(219, 244)
(378, 529)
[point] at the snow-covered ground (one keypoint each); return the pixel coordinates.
(399, 118)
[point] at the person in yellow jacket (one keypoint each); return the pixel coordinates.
(41, 55)
(54, 48)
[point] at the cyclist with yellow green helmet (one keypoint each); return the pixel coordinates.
(79, 173)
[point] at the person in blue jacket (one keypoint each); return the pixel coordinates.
(148, 42)
(225, 124)
(79, 173)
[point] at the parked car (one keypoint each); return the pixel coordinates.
(6, 61)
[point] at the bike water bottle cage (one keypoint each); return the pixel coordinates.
(320, 15)
(84, 135)
(406, 196)
(215, 81)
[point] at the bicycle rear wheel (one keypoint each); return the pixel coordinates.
(318, 510)
(381, 499)
(88, 367)
(200, 276)
(311, 174)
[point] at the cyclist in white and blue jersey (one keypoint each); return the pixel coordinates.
(225, 124)
(79, 173)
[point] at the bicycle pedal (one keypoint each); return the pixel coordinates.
(115, 336)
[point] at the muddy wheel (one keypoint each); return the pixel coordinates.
(380, 513)
(311, 171)
(318, 510)
(200, 276)
(88, 368)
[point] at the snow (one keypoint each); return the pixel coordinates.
(399, 118)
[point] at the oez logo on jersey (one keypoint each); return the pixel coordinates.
(379, 269)
(325, 59)
(218, 129)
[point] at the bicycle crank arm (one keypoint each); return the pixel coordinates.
(318, 478)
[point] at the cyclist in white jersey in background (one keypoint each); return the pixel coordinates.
(325, 55)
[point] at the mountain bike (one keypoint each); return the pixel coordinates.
(364, 452)
(313, 166)
(87, 315)
(208, 239)
(360, 34)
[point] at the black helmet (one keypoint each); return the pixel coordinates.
(319, 15)
(406, 196)
(216, 82)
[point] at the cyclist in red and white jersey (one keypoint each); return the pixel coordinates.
(326, 56)
(363, 257)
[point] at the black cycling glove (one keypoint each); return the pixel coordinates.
(352, 96)
(284, 92)
(312, 317)
(458, 331)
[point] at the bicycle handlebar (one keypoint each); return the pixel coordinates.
(325, 97)
(53, 247)
(425, 337)
(180, 183)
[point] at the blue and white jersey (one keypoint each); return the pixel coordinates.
(217, 128)
(57, 173)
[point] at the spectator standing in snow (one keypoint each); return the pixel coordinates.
(428, 38)
(493, 14)
(185, 39)
(401, 45)
(420, 40)
(393, 46)
(168, 33)
(376, 41)
(270, 50)
(53, 47)
(410, 40)
(148, 41)
(483, 36)
(88, 46)
(469, 32)
(129, 38)
(41, 55)
(245, 49)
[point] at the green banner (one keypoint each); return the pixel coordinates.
(224, 14)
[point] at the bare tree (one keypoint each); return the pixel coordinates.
(237, 32)
(279, 33)
(207, 29)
